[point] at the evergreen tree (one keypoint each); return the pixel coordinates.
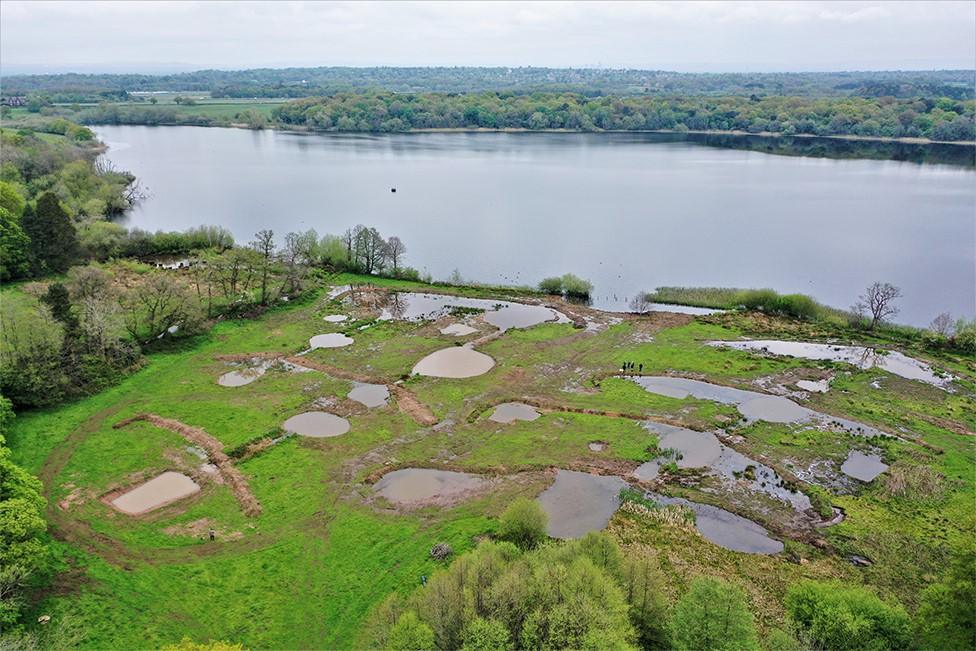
(54, 241)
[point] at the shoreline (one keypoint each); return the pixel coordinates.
(770, 135)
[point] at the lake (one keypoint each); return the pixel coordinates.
(629, 212)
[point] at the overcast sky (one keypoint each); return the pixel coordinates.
(683, 36)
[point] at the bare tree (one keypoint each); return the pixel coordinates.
(641, 303)
(396, 249)
(877, 300)
(942, 324)
(264, 244)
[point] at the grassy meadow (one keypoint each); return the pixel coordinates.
(325, 550)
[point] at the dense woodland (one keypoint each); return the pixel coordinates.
(942, 119)
(304, 82)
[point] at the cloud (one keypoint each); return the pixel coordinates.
(718, 36)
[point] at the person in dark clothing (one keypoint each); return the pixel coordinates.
(213, 535)
(641, 368)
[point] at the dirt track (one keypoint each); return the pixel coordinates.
(215, 452)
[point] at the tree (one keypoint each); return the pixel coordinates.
(641, 303)
(58, 301)
(524, 524)
(643, 588)
(942, 324)
(877, 300)
(264, 244)
(296, 256)
(486, 635)
(14, 243)
(23, 555)
(410, 634)
(396, 249)
(946, 619)
(54, 242)
(713, 616)
(369, 249)
(843, 617)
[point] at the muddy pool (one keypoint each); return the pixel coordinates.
(703, 450)
(414, 306)
(508, 412)
(370, 395)
(454, 362)
(255, 368)
(752, 405)
(331, 340)
(316, 424)
(578, 502)
(863, 467)
(413, 485)
(864, 358)
(726, 529)
(163, 489)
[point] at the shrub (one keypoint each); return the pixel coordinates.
(552, 286)
(576, 287)
(839, 617)
(819, 500)
(946, 620)
(524, 524)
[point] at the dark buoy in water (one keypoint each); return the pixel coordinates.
(392, 189)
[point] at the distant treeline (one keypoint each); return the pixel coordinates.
(941, 119)
(306, 82)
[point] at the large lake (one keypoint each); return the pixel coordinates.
(627, 211)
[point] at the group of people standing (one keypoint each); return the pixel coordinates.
(630, 366)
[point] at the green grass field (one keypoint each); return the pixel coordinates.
(324, 551)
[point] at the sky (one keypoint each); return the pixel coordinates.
(157, 37)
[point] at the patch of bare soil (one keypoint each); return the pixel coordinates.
(215, 452)
(411, 406)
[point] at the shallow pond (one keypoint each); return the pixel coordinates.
(412, 485)
(454, 362)
(331, 340)
(752, 405)
(726, 529)
(820, 386)
(863, 467)
(864, 358)
(578, 502)
(679, 309)
(255, 368)
(316, 424)
(704, 450)
(370, 395)
(335, 318)
(167, 487)
(512, 411)
(412, 306)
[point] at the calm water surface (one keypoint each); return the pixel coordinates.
(627, 211)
